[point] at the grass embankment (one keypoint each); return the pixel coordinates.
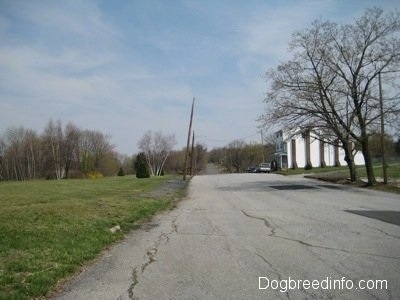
(341, 175)
(48, 229)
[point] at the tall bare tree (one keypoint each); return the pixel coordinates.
(15, 153)
(331, 83)
(235, 155)
(303, 94)
(157, 148)
(31, 148)
(93, 148)
(53, 139)
(72, 137)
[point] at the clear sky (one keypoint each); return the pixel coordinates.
(125, 67)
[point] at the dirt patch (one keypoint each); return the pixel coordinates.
(171, 188)
(331, 177)
(290, 187)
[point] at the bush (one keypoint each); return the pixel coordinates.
(121, 172)
(94, 175)
(142, 170)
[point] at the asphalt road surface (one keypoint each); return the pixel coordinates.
(256, 236)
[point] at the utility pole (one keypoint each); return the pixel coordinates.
(262, 145)
(384, 166)
(188, 142)
(192, 156)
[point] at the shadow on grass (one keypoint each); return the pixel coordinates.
(342, 178)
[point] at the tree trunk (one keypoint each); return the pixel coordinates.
(307, 139)
(336, 153)
(294, 154)
(67, 166)
(349, 158)
(322, 153)
(368, 162)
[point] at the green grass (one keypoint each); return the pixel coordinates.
(340, 174)
(48, 229)
(393, 171)
(313, 170)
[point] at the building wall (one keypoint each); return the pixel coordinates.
(300, 152)
(330, 155)
(329, 151)
(314, 149)
(289, 153)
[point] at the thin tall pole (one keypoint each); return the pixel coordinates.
(262, 145)
(192, 156)
(188, 142)
(384, 166)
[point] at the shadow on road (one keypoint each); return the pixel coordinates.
(392, 217)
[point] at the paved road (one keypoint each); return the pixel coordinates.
(211, 169)
(234, 229)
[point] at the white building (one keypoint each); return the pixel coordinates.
(294, 149)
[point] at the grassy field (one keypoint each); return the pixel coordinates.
(48, 229)
(340, 174)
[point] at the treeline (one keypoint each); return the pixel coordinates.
(391, 146)
(197, 160)
(238, 155)
(61, 152)
(56, 153)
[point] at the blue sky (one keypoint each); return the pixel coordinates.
(125, 67)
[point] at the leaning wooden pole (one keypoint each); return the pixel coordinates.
(192, 156)
(188, 142)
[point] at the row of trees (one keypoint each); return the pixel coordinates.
(238, 155)
(198, 159)
(58, 152)
(71, 152)
(332, 83)
(160, 156)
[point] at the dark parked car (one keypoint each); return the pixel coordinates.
(252, 169)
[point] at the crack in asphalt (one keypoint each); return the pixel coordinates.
(151, 253)
(266, 222)
(384, 232)
(273, 235)
(134, 283)
(150, 257)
